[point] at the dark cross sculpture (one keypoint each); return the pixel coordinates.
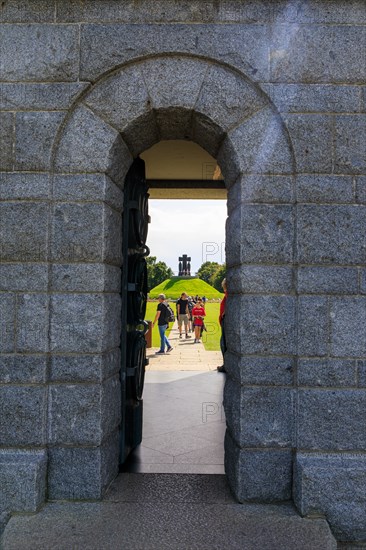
(184, 265)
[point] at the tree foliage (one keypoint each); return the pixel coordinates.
(212, 273)
(157, 272)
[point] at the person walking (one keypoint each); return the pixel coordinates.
(199, 314)
(183, 314)
(161, 316)
(223, 347)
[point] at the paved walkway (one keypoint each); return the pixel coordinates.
(184, 421)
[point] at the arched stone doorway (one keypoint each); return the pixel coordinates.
(124, 113)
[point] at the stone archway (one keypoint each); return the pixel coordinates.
(121, 115)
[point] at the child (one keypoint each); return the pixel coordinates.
(198, 313)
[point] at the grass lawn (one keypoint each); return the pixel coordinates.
(210, 339)
(173, 288)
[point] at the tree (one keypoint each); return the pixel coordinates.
(218, 276)
(206, 271)
(157, 272)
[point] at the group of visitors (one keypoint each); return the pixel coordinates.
(190, 314)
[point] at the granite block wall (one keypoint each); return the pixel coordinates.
(276, 92)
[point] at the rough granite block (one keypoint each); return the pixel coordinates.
(348, 327)
(6, 141)
(326, 372)
(23, 232)
(350, 146)
(35, 134)
(39, 97)
(32, 11)
(32, 323)
(82, 473)
(261, 476)
(327, 280)
(267, 325)
(260, 279)
(22, 415)
(23, 369)
(14, 186)
(337, 189)
(85, 323)
(361, 189)
(261, 189)
(313, 324)
(318, 11)
(331, 53)
(22, 480)
(105, 46)
(83, 414)
(84, 368)
(314, 98)
(331, 419)
(23, 277)
(363, 281)
(260, 234)
(261, 146)
(259, 417)
(89, 144)
(361, 370)
(251, 370)
(331, 234)
(85, 278)
(312, 140)
(333, 485)
(39, 53)
(87, 187)
(7, 322)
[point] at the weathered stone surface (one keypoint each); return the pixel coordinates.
(350, 146)
(260, 279)
(261, 189)
(318, 11)
(14, 186)
(23, 231)
(32, 11)
(82, 473)
(35, 134)
(361, 371)
(84, 232)
(261, 146)
(23, 277)
(205, 132)
(312, 140)
(332, 419)
(259, 417)
(84, 368)
(331, 54)
(85, 323)
(326, 234)
(32, 323)
(87, 187)
(334, 189)
(7, 322)
(227, 98)
(28, 425)
(361, 189)
(22, 479)
(327, 280)
(314, 98)
(85, 278)
(260, 234)
(23, 369)
(39, 97)
(267, 324)
(313, 324)
(89, 144)
(333, 485)
(249, 370)
(263, 476)
(105, 46)
(363, 281)
(6, 141)
(83, 414)
(326, 372)
(348, 328)
(39, 53)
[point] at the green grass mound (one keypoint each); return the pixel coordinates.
(173, 288)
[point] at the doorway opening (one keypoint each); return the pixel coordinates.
(183, 424)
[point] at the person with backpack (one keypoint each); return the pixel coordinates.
(163, 316)
(183, 314)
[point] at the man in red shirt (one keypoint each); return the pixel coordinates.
(223, 347)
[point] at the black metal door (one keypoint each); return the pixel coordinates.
(134, 296)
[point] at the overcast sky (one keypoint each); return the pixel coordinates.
(192, 227)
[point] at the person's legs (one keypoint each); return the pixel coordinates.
(162, 329)
(197, 333)
(180, 321)
(222, 346)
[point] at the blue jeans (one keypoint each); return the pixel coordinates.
(163, 339)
